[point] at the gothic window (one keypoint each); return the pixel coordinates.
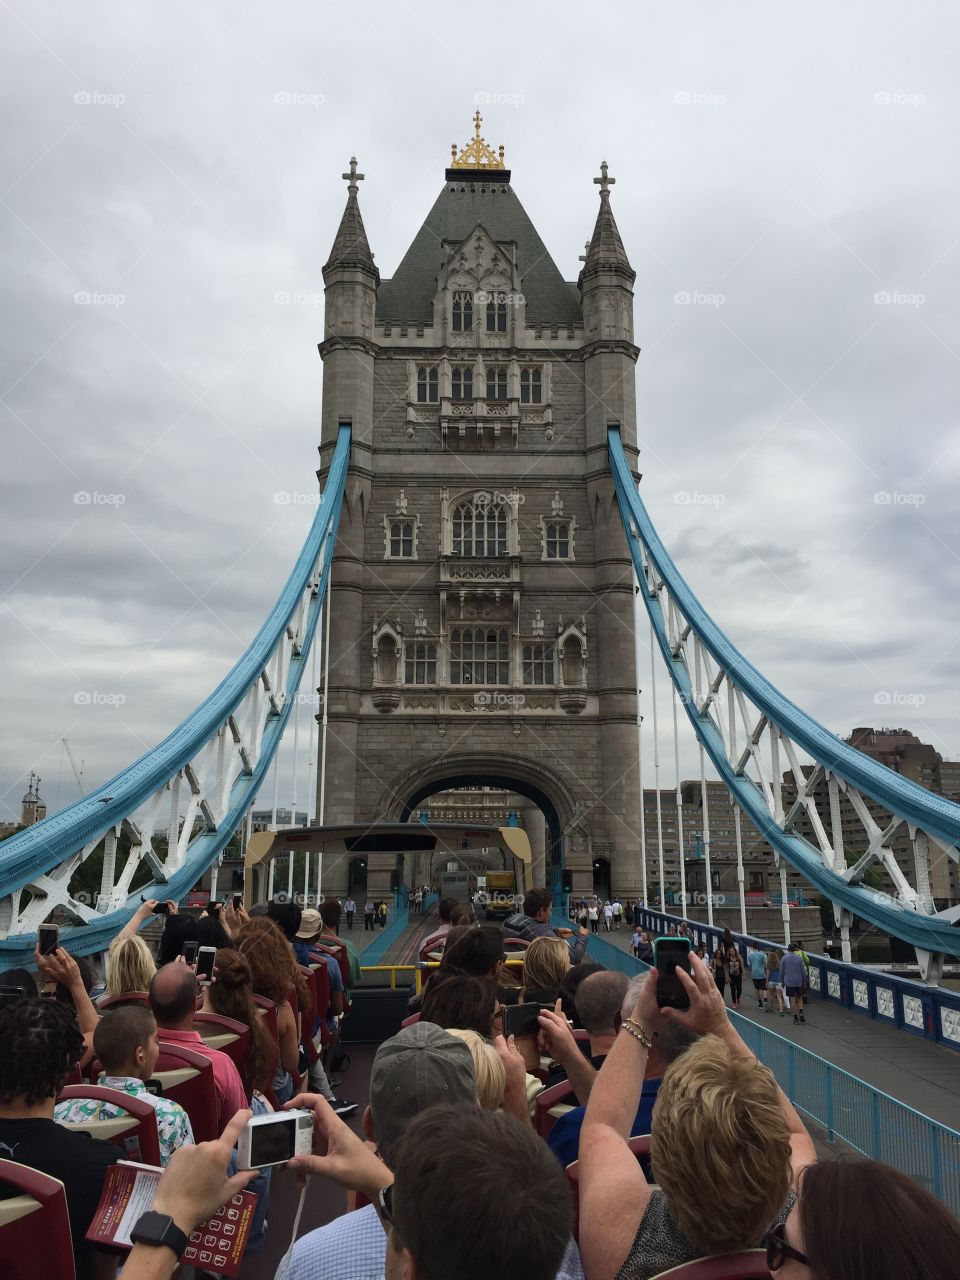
(428, 384)
(756, 882)
(531, 386)
(461, 382)
(402, 542)
(479, 656)
(420, 662)
(556, 540)
(538, 664)
(497, 382)
(496, 313)
(480, 529)
(462, 311)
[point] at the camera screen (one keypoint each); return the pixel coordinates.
(273, 1142)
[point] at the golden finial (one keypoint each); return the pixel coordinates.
(476, 154)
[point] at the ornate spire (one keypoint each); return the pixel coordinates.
(350, 245)
(606, 251)
(476, 154)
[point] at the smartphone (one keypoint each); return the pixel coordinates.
(522, 1019)
(154, 1086)
(275, 1139)
(190, 949)
(237, 901)
(48, 938)
(161, 909)
(10, 995)
(213, 907)
(669, 955)
(206, 958)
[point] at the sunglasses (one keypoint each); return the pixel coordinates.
(386, 1204)
(778, 1250)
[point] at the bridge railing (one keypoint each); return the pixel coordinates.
(930, 1012)
(849, 1110)
(378, 948)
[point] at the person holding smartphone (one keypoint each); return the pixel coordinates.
(716, 1097)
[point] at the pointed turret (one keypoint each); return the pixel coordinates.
(605, 251)
(350, 245)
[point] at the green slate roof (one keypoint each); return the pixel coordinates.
(408, 297)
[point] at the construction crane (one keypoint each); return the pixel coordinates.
(77, 772)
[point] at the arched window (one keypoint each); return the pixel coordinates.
(479, 656)
(497, 313)
(462, 311)
(428, 384)
(461, 383)
(480, 529)
(402, 540)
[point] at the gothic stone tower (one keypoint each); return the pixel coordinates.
(482, 597)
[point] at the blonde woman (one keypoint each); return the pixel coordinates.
(490, 1071)
(130, 966)
(545, 962)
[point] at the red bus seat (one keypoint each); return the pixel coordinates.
(749, 1264)
(38, 1212)
(122, 998)
(548, 1105)
(339, 952)
(135, 1132)
(226, 1034)
(187, 1078)
(408, 1022)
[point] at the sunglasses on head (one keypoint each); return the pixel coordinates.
(778, 1250)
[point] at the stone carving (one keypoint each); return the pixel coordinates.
(401, 503)
(478, 573)
(538, 624)
(420, 623)
(414, 703)
(556, 506)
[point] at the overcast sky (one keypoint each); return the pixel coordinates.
(791, 168)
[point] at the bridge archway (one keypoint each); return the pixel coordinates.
(516, 775)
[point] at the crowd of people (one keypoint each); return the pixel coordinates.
(453, 1172)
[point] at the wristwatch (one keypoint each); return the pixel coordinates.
(157, 1229)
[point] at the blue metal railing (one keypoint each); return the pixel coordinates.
(910, 802)
(374, 953)
(47, 845)
(930, 1012)
(850, 1110)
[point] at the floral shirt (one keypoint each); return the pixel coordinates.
(173, 1123)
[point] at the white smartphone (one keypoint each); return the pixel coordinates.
(206, 958)
(275, 1139)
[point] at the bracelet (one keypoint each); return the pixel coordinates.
(638, 1031)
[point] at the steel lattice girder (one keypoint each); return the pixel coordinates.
(223, 750)
(685, 627)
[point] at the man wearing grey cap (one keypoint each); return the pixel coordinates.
(417, 1068)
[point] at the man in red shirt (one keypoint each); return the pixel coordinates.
(173, 999)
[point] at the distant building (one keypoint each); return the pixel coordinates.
(32, 808)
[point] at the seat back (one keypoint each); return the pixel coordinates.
(515, 944)
(408, 1022)
(549, 1103)
(640, 1146)
(339, 953)
(748, 1264)
(187, 1078)
(38, 1212)
(122, 998)
(226, 1034)
(134, 1131)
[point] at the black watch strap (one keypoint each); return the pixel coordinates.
(158, 1230)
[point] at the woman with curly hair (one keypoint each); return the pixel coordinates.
(231, 995)
(276, 975)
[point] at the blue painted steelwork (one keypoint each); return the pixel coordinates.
(43, 847)
(931, 813)
(850, 1110)
(374, 953)
(901, 1003)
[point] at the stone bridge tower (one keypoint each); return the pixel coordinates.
(482, 598)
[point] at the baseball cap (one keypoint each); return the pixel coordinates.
(418, 1068)
(311, 922)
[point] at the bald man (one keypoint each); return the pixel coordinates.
(173, 999)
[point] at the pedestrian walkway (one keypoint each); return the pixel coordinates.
(922, 1075)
